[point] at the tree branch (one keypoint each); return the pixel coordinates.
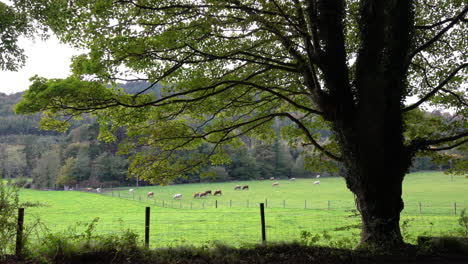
(436, 89)
(448, 147)
(438, 35)
(422, 144)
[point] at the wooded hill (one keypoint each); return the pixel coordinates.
(52, 159)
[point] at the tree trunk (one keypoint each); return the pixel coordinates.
(376, 161)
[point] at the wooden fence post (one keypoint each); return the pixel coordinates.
(328, 204)
(420, 211)
(455, 207)
(19, 233)
(147, 226)
(266, 203)
(216, 203)
(305, 204)
(262, 219)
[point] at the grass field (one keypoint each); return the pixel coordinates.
(292, 207)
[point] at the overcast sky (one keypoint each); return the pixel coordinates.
(49, 59)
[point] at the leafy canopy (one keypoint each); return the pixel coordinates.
(230, 68)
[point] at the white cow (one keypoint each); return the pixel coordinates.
(318, 176)
(316, 182)
(275, 184)
(98, 190)
(177, 196)
(292, 179)
(131, 190)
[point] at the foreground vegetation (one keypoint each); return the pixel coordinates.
(198, 222)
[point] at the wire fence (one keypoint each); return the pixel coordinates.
(412, 207)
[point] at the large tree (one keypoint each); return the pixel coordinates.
(231, 68)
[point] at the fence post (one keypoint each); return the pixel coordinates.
(19, 233)
(284, 203)
(420, 211)
(305, 204)
(216, 203)
(147, 226)
(455, 207)
(266, 203)
(262, 219)
(328, 204)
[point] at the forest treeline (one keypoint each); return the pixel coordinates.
(53, 159)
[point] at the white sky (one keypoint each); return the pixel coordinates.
(49, 59)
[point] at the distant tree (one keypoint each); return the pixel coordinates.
(298, 170)
(108, 167)
(65, 177)
(81, 169)
(46, 169)
(231, 68)
(243, 165)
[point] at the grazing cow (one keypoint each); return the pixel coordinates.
(203, 194)
(292, 179)
(316, 182)
(131, 190)
(195, 195)
(150, 194)
(89, 189)
(237, 187)
(98, 190)
(177, 196)
(245, 187)
(208, 192)
(217, 192)
(275, 184)
(261, 179)
(272, 178)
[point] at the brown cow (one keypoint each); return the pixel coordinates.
(208, 192)
(203, 194)
(261, 179)
(237, 187)
(89, 189)
(150, 194)
(195, 195)
(272, 178)
(245, 187)
(217, 192)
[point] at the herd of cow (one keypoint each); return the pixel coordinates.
(205, 193)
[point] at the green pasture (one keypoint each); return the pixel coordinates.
(292, 207)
